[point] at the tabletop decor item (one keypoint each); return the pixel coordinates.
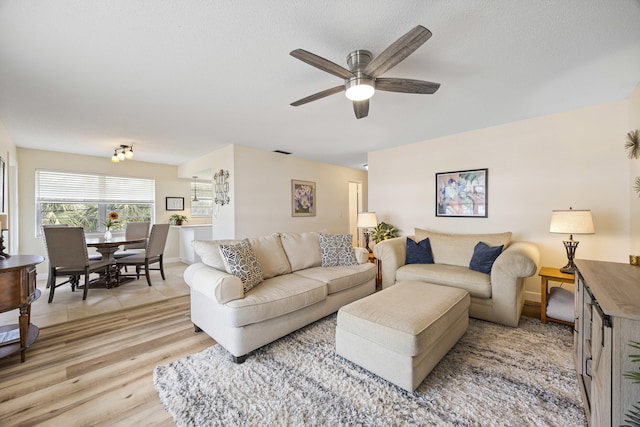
(112, 220)
(177, 219)
(383, 231)
(4, 225)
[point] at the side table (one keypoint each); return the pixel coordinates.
(374, 260)
(18, 291)
(554, 275)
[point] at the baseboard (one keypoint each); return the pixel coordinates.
(532, 296)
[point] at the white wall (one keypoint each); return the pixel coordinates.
(166, 180)
(260, 192)
(572, 159)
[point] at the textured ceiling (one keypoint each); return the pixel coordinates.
(180, 79)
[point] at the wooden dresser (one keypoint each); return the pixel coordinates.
(607, 311)
(18, 291)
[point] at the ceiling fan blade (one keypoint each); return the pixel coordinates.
(319, 95)
(397, 51)
(406, 85)
(361, 108)
(321, 63)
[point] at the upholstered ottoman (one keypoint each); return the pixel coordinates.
(402, 332)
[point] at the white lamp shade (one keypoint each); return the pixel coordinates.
(367, 220)
(571, 222)
(4, 221)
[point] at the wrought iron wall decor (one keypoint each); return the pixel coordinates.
(222, 187)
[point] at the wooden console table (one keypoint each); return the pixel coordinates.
(607, 305)
(18, 291)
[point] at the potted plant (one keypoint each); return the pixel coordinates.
(383, 231)
(177, 219)
(633, 415)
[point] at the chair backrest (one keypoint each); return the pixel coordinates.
(136, 229)
(157, 240)
(66, 246)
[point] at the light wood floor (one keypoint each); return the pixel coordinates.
(98, 370)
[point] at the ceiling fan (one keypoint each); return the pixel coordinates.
(363, 76)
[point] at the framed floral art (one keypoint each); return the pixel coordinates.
(303, 198)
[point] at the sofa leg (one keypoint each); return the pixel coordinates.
(196, 328)
(239, 359)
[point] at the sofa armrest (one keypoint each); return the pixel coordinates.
(518, 261)
(223, 286)
(391, 253)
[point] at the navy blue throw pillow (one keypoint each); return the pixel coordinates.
(419, 253)
(484, 257)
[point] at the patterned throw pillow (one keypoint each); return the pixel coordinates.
(337, 249)
(240, 261)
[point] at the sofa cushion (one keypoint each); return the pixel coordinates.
(271, 255)
(476, 283)
(274, 297)
(209, 252)
(240, 261)
(418, 252)
(457, 249)
(337, 249)
(484, 257)
(339, 278)
(302, 249)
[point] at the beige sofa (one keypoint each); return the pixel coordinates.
(295, 289)
(497, 296)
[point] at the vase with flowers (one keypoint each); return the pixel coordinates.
(112, 220)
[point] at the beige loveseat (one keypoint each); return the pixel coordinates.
(497, 296)
(295, 289)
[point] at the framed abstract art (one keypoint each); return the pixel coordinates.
(462, 193)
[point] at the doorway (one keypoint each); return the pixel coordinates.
(355, 206)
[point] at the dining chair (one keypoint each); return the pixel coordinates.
(133, 229)
(92, 257)
(152, 254)
(68, 256)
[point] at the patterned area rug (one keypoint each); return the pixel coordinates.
(494, 376)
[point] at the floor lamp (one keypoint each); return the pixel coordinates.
(367, 220)
(571, 222)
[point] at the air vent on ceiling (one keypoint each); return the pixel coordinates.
(281, 152)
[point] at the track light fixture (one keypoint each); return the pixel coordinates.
(122, 153)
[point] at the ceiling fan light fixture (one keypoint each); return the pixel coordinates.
(359, 88)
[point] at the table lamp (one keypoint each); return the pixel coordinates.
(367, 220)
(4, 223)
(571, 222)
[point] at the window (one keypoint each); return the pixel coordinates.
(204, 205)
(85, 200)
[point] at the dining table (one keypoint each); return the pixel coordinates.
(107, 248)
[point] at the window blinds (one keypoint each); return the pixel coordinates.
(71, 187)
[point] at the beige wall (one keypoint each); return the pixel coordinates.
(261, 192)
(571, 159)
(166, 180)
(8, 154)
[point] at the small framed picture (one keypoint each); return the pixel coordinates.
(303, 198)
(462, 193)
(175, 203)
